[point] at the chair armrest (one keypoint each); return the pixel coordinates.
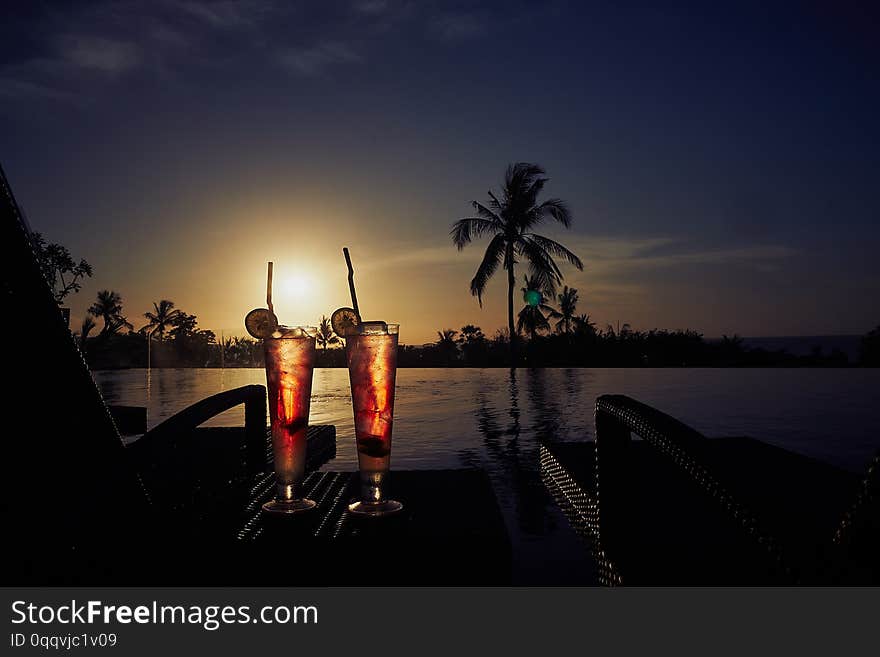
(169, 432)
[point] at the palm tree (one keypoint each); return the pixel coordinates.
(239, 351)
(108, 307)
(531, 319)
(470, 334)
(162, 319)
(88, 324)
(509, 221)
(567, 304)
(623, 332)
(326, 336)
(446, 337)
(584, 325)
(446, 344)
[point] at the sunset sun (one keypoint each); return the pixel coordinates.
(296, 286)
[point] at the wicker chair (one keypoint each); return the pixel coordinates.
(683, 508)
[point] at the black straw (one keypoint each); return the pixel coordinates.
(354, 299)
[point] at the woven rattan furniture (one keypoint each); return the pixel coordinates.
(677, 508)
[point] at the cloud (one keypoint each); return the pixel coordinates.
(604, 255)
(316, 59)
(454, 27)
(103, 55)
(76, 51)
(229, 14)
(627, 254)
(12, 88)
(372, 7)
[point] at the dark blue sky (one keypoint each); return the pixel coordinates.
(722, 162)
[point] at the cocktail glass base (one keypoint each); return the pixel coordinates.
(288, 507)
(375, 509)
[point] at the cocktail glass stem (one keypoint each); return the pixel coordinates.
(371, 487)
(287, 492)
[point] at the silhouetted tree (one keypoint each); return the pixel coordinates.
(241, 351)
(474, 346)
(108, 307)
(584, 326)
(162, 319)
(446, 344)
(470, 333)
(183, 325)
(532, 319)
(567, 305)
(88, 324)
(509, 221)
(869, 350)
(62, 273)
(192, 346)
(326, 336)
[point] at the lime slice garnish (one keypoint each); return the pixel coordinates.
(344, 321)
(261, 323)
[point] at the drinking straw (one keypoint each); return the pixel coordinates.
(354, 299)
(269, 290)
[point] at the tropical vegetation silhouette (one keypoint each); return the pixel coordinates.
(869, 351)
(534, 317)
(162, 318)
(60, 270)
(108, 307)
(568, 299)
(447, 344)
(326, 337)
(550, 336)
(509, 219)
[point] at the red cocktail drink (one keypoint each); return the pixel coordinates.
(371, 348)
(290, 361)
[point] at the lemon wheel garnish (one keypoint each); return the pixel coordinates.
(344, 321)
(261, 323)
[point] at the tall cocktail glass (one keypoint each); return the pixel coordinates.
(290, 362)
(371, 349)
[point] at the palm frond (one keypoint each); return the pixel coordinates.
(557, 209)
(552, 313)
(520, 177)
(491, 259)
(531, 319)
(534, 189)
(518, 183)
(494, 203)
(486, 213)
(542, 267)
(466, 229)
(555, 248)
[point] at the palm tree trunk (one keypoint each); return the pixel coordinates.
(510, 326)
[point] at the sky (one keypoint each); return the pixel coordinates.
(721, 162)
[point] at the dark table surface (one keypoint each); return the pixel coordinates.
(450, 531)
